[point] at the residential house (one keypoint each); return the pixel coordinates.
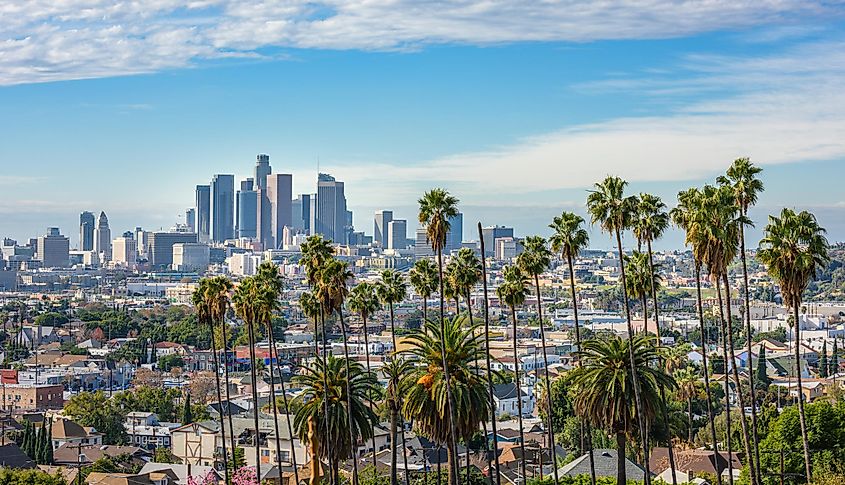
(505, 397)
(694, 462)
(144, 430)
(605, 466)
(65, 431)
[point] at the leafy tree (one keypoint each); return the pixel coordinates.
(163, 455)
(51, 319)
(762, 380)
(97, 410)
(167, 362)
(823, 364)
(562, 408)
(15, 476)
(187, 411)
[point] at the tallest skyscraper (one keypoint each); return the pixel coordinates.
(262, 170)
(264, 216)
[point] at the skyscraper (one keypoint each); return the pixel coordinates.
(191, 219)
(263, 209)
(279, 193)
(491, 234)
(262, 170)
(86, 231)
(397, 234)
(301, 213)
(53, 249)
(247, 209)
(102, 238)
(456, 231)
(222, 207)
(203, 212)
(332, 217)
(161, 246)
(125, 249)
(382, 219)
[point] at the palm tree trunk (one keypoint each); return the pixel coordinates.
(220, 401)
(746, 440)
(487, 356)
(273, 406)
(327, 440)
(689, 417)
(805, 442)
(313, 447)
(254, 376)
(662, 392)
(585, 427)
(453, 436)
(748, 338)
(369, 396)
(353, 442)
(704, 337)
(518, 396)
(274, 351)
(621, 473)
(637, 402)
(727, 383)
(232, 436)
(552, 451)
(396, 385)
(393, 427)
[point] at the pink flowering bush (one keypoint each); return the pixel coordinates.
(208, 479)
(245, 476)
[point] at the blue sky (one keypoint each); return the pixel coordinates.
(517, 110)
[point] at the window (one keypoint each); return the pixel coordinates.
(265, 452)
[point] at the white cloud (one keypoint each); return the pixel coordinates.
(48, 40)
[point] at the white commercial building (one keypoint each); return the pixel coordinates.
(190, 257)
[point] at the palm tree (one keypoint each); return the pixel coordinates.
(569, 238)
(391, 290)
(268, 275)
(613, 211)
(533, 260)
(311, 309)
(202, 300)
(689, 388)
(249, 299)
(640, 280)
(345, 399)
(218, 290)
(332, 292)
(437, 206)
(605, 382)
(423, 277)
(427, 400)
(363, 301)
(794, 248)
(742, 178)
(684, 216)
(513, 293)
(397, 371)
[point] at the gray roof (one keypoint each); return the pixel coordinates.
(605, 461)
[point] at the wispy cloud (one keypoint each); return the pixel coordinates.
(48, 40)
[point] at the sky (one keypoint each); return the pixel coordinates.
(516, 108)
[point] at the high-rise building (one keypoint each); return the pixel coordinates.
(191, 219)
(262, 170)
(222, 207)
(507, 248)
(125, 250)
(397, 234)
(190, 257)
(490, 234)
(203, 212)
(279, 193)
(301, 213)
(102, 238)
(247, 209)
(53, 249)
(332, 218)
(422, 248)
(456, 231)
(382, 219)
(160, 253)
(142, 243)
(86, 231)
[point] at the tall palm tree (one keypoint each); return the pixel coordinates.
(391, 290)
(568, 239)
(269, 276)
(640, 280)
(513, 292)
(348, 388)
(201, 298)
(793, 249)
(689, 388)
(423, 277)
(397, 371)
(427, 401)
(685, 215)
(535, 259)
(720, 220)
(742, 178)
(363, 301)
(437, 206)
(605, 382)
(608, 206)
(332, 292)
(249, 299)
(218, 290)
(311, 309)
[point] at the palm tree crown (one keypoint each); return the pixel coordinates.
(423, 277)
(609, 207)
(437, 206)
(569, 237)
(392, 288)
(741, 178)
(650, 219)
(363, 300)
(514, 289)
(535, 256)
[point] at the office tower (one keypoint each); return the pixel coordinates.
(507, 248)
(456, 231)
(490, 234)
(262, 170)
(332, 217)
(301, 213)
(203, 212)
(397, 234)
(222, 207)
(142, 242)
(125, 250)
(279, 193)
(190, 257)
(422, 248)
(86, 231)
(312, 215)
(247, 209)
(102, 238)
(191, 219)
(53, 249)
(382, 219)
(160, 253)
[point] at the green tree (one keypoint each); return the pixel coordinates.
(762, 380)
(187, 411)
(823, 365)
(398, 372)
(167, 362)
(97, 410)
(423, 277)
(834, 360)
(13, 476)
